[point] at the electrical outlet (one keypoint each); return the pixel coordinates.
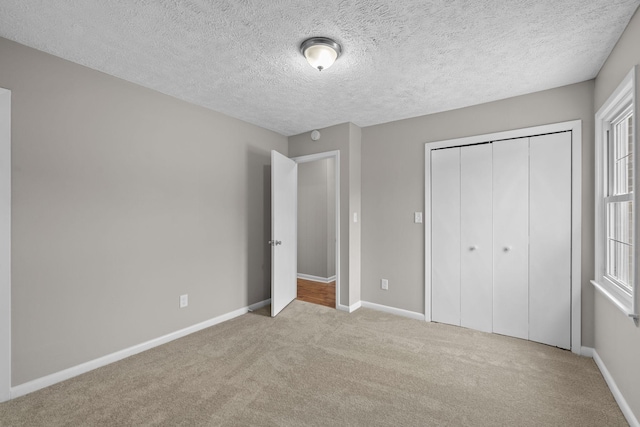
(184, 300)
(384, 284)
(417, 217)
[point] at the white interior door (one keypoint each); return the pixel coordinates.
(476, 230)
(284, 239)
(445, 240)
(511, 237)
(550, 239)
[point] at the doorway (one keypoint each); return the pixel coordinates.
(316, 220)
(284, 214)
(333, 208)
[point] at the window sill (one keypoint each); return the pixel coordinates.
(616, 301)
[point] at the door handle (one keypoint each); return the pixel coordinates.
(274, 242)
(507, 248)
(473, 248)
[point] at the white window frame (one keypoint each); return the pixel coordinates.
(619, 101)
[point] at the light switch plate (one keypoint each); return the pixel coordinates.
(417, 217)
(384, 284)
(184, 300)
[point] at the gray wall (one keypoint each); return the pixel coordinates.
(344, 138)
(316, 218)
(393, 188)
(5, 244)
(617, 338)
(123, 199)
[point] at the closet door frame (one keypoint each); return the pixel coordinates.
(575, 127)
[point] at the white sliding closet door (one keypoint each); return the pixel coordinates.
(550, 240)
(511, 237)
(445, 241)
(476, 230)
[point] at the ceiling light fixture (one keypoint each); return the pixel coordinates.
(320, 52)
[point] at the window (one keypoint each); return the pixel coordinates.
(616, 197)
(619, 202)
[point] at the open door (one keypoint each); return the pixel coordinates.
(284, 232)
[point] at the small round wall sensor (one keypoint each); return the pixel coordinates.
(315, 135)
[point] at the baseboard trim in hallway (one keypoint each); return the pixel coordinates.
(316, 278)
(49, 380)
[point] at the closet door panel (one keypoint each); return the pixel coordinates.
(445, 235)
(476, 224)
(511, 240)
(550, 240)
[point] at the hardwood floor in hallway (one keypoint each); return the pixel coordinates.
(317, 292)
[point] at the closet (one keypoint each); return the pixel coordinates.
(501, 237)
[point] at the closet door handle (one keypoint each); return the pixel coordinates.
(507, 248)
(473, 248)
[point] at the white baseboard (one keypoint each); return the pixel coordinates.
(349, 308)
(393, 310)
(586, 351)
(622, 402)
(74, 371)
(316, 278)
(258, 305)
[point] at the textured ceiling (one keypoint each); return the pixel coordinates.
(401, 58)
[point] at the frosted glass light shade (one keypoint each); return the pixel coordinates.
(320, 52)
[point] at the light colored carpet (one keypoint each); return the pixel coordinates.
(313, 365)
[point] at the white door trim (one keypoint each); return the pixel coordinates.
(321, 156)
(5, 245)
(575, 126)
